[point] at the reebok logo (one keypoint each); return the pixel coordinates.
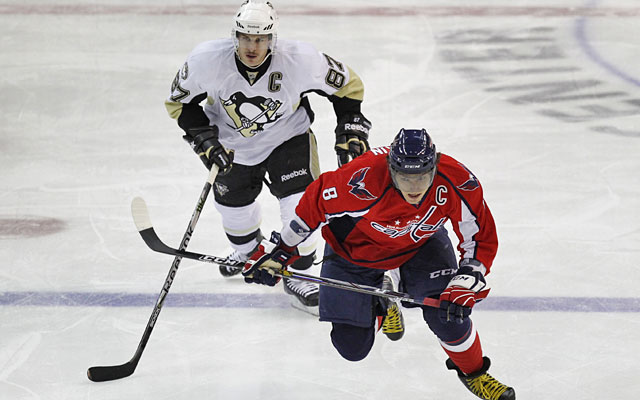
(356, 127)
(294, 174)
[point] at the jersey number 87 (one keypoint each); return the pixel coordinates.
(335, 77)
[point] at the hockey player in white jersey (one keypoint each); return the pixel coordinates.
(242, 103)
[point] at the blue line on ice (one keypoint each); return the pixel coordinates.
(281, 300)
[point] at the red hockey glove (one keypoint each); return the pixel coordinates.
(457, 300)
(272, 255)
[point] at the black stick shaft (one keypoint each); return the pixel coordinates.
(108, 373)
(150, 237)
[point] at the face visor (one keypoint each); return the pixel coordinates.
(412, 183)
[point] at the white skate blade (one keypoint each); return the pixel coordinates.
(306, 309)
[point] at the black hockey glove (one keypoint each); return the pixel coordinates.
(352, 134)
(204, 141)
(272, 255)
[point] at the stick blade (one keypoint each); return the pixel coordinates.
(111, 373)
(140, 214)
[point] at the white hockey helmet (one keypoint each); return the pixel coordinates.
(256, 18)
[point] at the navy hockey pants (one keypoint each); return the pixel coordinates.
(353, 314)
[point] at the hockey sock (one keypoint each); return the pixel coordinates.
(378, 323)
(469, 360)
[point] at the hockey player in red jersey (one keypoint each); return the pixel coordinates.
(386, 210)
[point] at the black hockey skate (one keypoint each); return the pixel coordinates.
(306, 293)
(235, 258)
(393, 322)
(482, 384)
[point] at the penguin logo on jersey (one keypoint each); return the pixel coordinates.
(250, 115)
(357, 185)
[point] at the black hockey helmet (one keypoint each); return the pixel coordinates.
(412, 152)
(412, 159)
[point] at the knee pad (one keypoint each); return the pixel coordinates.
(352, 342)
(446, 332)
(241, 224)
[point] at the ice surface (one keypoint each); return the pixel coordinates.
(540, 99)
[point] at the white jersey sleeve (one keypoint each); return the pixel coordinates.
(324, 73)
(256, 115)
(199, 67)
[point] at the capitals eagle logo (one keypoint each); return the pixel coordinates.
(357, 185)
(251, 114)
(472, 183)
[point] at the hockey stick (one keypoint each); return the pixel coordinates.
(150, 237)
(109, 373)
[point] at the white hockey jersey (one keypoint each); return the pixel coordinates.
(255, 118)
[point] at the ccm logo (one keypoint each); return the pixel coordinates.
(442, 272)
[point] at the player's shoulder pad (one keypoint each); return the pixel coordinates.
(366, 176)
(295, 48)
(212, 48)
(457, 174)
(376, 159)
(380, 151)
(207, 57)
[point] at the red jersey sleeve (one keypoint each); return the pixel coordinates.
(470, 216)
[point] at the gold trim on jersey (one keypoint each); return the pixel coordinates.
(295, 106)
(354, 89)
(242, 232)
(173, 108)
(314, 158)
(252, 77)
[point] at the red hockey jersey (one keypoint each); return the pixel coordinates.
(368, 222)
